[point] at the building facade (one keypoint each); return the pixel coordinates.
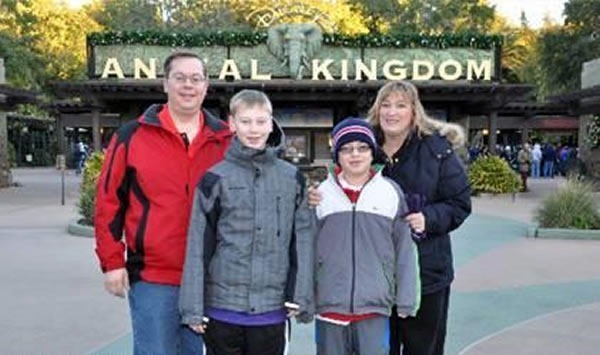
(314, 80)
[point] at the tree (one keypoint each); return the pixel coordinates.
(519, 50)
(378, 14)
(427, 16)
(564, 49)
(54, 34)
(333, 16)
(125, 15)
(24, 68)
(213, 15)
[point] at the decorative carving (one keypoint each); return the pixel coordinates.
(294, 45)
(279, 13)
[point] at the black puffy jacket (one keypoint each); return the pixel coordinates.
(428, 167)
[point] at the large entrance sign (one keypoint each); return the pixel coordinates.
(300, 52)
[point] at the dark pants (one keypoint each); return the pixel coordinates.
(229, 339)
(424, 334)
(524, 176)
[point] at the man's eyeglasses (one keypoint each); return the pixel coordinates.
(349, 149)
(181, 79)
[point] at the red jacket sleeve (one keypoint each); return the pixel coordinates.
(111, 206)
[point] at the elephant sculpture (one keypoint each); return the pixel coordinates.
(294, 45)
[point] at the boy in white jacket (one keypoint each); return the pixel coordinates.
(366, 261)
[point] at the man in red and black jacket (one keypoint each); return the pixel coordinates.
(145, 193)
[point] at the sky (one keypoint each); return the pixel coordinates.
(535, 10)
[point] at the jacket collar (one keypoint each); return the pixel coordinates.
(158, 115)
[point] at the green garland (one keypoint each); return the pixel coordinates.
(249, 39)
(593, 132)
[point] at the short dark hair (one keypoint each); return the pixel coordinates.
(182, 54)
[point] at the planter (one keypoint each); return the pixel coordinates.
(563, 233)
(80, 230)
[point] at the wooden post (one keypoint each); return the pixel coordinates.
(493, 128)
(96, 129)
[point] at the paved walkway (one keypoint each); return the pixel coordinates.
(512, 295)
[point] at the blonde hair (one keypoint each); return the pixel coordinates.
(249, 98)
(424, 124)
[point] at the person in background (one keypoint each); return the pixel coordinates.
(524, 159)
(81, 154)
(419, 155)
(249, 259)
(536, 160)
(548, 156)
(145, 193)
(374, 264)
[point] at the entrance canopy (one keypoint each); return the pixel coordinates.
(470, 97)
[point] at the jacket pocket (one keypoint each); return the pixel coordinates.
(388, 274)
(333, 288)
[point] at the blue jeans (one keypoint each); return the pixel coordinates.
(548, 169)
(535, 169)
(156, 323)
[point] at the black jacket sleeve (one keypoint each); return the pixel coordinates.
(452, 203)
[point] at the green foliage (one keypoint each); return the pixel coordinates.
(179, 39)
(32, 110)
(42, 40)
(583, 14)
(571, 206)
(592, 137)
(564, 49)
(125, 15)
(378, 14)
(12, 156)
(87, 198)
(492, 174)
(425, 16)
(24, 67)
(252, 38)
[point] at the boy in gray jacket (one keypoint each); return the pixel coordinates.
(366, 261)
(249, 258)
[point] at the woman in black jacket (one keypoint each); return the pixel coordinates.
(418, 153)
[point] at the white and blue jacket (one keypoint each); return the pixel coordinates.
(366, 260)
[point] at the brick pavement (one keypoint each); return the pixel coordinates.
(512, 295)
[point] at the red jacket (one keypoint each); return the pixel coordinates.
(145, 190)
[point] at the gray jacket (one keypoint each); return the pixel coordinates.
(249, 245)
(366, 260)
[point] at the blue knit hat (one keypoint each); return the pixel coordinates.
(349, 130)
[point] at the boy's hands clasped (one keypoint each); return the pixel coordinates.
(293, 309)
(200, 328)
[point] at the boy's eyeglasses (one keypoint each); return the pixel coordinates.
(348, 149)
(181, 79)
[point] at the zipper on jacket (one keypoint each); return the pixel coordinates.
(278, 216)
(353, 258)
(186, 140)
